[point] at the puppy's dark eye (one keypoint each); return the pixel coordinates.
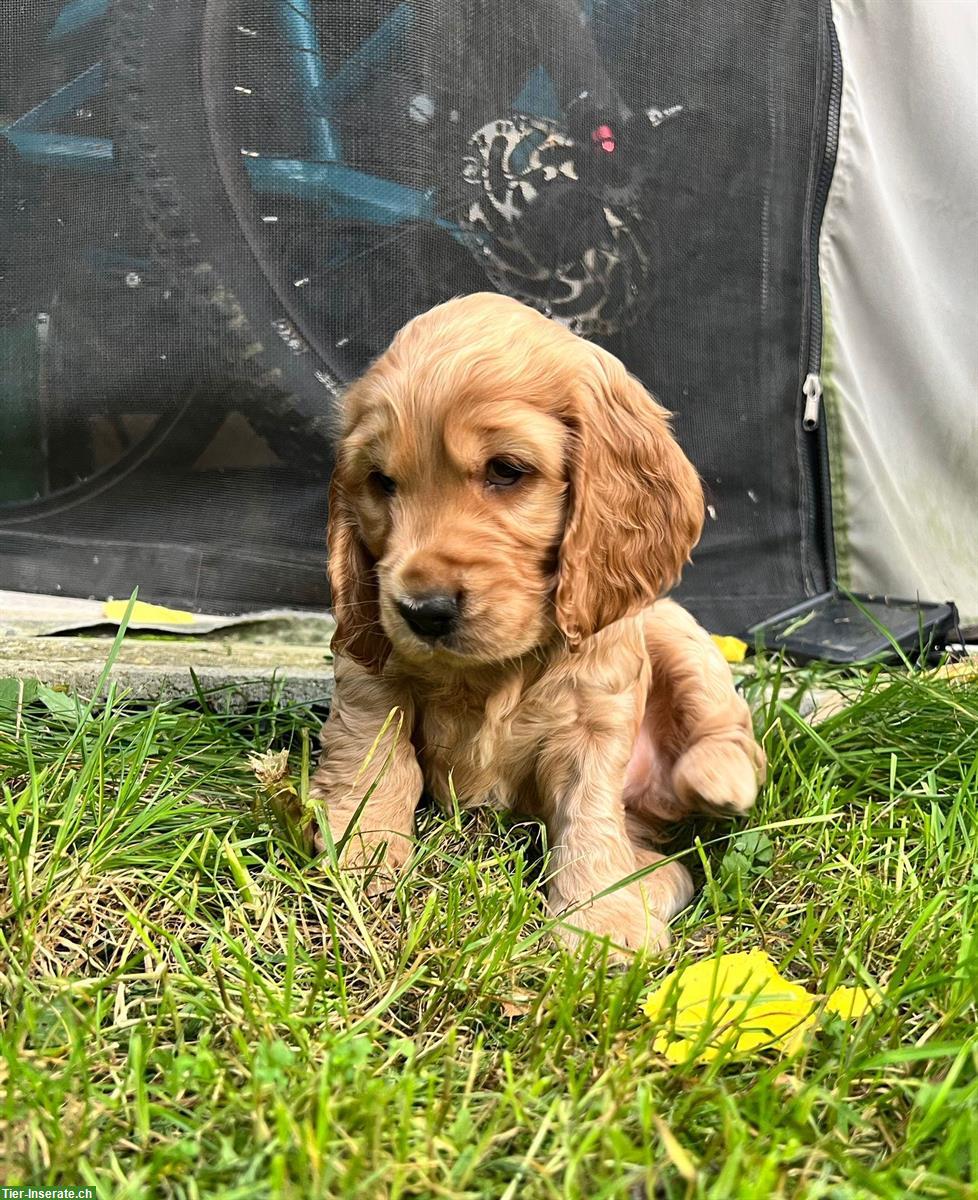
(383, 483)
(502, 473)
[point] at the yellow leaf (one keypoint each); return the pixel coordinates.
(737, 1003)
(729, 1005)
(732, 649)
(146, 614)
(850, 1003)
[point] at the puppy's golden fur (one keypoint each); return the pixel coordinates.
(493, 457)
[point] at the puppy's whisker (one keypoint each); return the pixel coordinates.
(349, 605)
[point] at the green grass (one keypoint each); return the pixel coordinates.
(191, 1006)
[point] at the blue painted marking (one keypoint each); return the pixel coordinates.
(75, 16)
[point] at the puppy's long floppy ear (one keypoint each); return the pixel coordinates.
(353, 583)
(635, 504)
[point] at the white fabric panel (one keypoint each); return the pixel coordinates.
(899, 265)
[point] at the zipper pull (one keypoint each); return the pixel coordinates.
(813, 401)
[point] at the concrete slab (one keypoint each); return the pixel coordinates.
(163, 670)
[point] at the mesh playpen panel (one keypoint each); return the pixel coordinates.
(215, 212)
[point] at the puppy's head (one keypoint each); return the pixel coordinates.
(500, 483)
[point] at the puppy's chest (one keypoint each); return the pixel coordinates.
(478, 756)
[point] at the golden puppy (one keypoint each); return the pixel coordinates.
(507, 507)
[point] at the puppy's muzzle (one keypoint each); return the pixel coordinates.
(430, 617)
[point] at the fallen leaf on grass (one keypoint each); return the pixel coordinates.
(518, 1006)
(850, 1003)
(736, 1004)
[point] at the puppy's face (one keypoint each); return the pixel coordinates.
(485, 492)
(460, 496)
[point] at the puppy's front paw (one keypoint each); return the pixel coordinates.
(625, 917)
(719, 775)
(377, 855)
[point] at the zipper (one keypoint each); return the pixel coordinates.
(813, 401)
(812, 387)
(811, 416)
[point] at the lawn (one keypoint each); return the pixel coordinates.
(192, 1006)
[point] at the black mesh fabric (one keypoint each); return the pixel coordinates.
(214, 213)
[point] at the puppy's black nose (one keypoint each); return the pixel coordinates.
(430, 616)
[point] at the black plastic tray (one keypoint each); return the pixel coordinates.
(848, 628)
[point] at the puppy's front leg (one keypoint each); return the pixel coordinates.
(720, 766)
(583, 780)
(351, 765)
